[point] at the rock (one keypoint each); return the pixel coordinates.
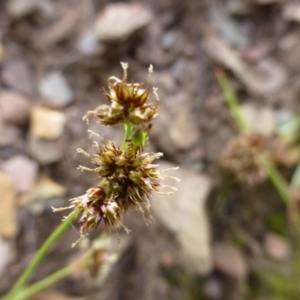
(21, 8)
(150, 51)
(17, 74)
(9, 135)
(119, 20)
(46, 123)
(183, 131)
(184, 214)
(47, 9)
(239, 7)
(58, 31)
(22, 171)
(46, 152)
(277, 247)
(8, 213)
(6, 255)
(55, 90)
(289, 46)
(178, 70)
(268, 119)
(169, 40)
(234, 34)
(87, 43)
(44, 189)
(14, 107)
(265, 78)
(213, 289)
(230, 260)
(291, 11)
(165, 81)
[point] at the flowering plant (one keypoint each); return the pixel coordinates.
(127, 177)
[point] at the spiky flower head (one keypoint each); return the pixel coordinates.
(131, 178)
(243, 156)
(94, 206)
(128, 101)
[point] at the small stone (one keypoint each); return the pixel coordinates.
(21, 8)
(268, 119)
(17, 74)
(291, 11)
(44, 189)
(58, 31)
(169, 39)
(47, 9)
(8, 213)
(239, 7)
(46, 152)
(6, 255)
(9, 135)
(178, 70)
(46, 123)
(265, 78)
(22, 171)
(183, 131)
(87, 43)
(277, 247)
(14, 107)
(234, 34)
(55, 90)
(119, 20)
(230, 260)
(213, 289)
(187, 219)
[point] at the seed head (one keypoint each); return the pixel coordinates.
(243, 156)
(127, 101)
(93, 207)
(131, 176)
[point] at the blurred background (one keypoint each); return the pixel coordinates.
(216, 238)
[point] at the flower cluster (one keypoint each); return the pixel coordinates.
(243, 156)
(127, 101)
(128, 177)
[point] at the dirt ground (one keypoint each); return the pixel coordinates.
(256, 43)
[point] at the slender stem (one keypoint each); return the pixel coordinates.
(39, 256)
(128, 131)
(278, 181)
(232, 102)
(44, 283)
(296, 177)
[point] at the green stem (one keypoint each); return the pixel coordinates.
(278, 181)
(38, 257)
(44, 283)
(128, 131)
(232, 102)
(296, 177)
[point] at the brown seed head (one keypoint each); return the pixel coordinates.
(128, 101)
(131, 176)
(94, 207)
(243, 156)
